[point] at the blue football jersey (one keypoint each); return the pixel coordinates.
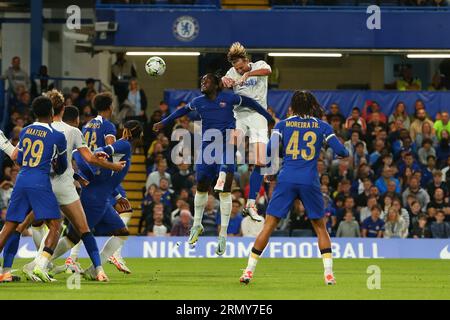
(96, 130)
(105, 181)
(302, 140)
(216, 114)
(39, 144)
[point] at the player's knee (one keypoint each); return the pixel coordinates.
(37, 224)
(203, 185)
(121, 232)
(228, 182)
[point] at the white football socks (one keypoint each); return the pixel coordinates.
(200, 200)
(225, 212)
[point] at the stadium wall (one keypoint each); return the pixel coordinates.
(239, 247)
(347, 99)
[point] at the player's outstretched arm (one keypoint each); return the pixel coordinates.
(100, 161)
(248, 102)
(337, 146)
(172, 117)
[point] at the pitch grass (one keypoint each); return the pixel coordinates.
(187, 279)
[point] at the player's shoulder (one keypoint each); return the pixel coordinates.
(259, 63)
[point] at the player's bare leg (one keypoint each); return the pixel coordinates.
(261, 242)
(225, 214)
(324, 241)
(43, 258)
(8, 229)
(116, 259)
(200, 199)
(116, 241)
(257, 157)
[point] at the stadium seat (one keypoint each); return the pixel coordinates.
(280, 233)
(302, 233)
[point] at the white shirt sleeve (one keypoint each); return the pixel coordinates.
(78, 139)
(261, 64)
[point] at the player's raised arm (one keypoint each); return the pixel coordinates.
(173, 116)
(262, 69)
(250, 103)
(334, 142)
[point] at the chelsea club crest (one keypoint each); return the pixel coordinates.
(186, 28)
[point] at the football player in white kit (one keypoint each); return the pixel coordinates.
(63, 186)
(249, 79)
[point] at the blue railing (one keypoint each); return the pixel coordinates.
(161, 4)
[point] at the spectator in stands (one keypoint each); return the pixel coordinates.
(366, 211)
(349, 206)
(438, 183)
(183, 225)
(338, 128)
(403, 212)
(439, 203)
(90, 86)
(348, 228)
(75, 97)
(335, 113)
(420, 194)
(408, 162)
(6, 187)
(23, 104)
(437, 83)
(375, 126)
(137, 99)
(386, 176)
(157, 228)
(442, 124)
(210, 213)
(363, 196)
(356, 118)
(373, 226)
(379, 147)
(164, 108)
(428, 132)
(122, 71)
(425, 151)
(417, 124)
(360, 156)
(17, 77)
(414, 212)
(420, 229)
(395, 226)
(87, 114)
(234, 226)
(408, 81)
(443, 149)
(41, 84)
(400, 114)
(183, 178)
(372, 108)
(386, 204)
(156, 176)
(439, 228)
(343, 172)
(166, 193)
(180, 205)
(298, 218)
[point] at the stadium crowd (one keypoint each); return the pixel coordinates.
(394, 185)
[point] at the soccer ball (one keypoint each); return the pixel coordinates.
(155, 66)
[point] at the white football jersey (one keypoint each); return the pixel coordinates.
(254, 87)
(75, 140)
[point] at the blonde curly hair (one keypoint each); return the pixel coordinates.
(236, 52)
(57, 100)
